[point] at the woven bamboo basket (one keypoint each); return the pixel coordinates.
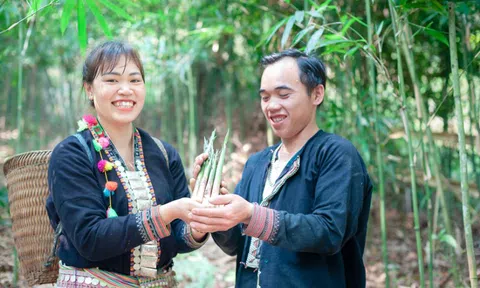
(27, 186)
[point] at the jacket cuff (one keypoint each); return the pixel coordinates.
(264, 223)
(190, 241)
(151, 225)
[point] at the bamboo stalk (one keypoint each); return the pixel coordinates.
(422, 113)
(462, 148)
(218, 173)
(19, 143)
(381, 189)
(192, 109)
(406, 123)
(211, 178)
(428, 194)
(474, 123)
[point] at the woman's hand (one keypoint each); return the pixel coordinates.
(178, 209)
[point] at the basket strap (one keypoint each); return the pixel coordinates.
(84, 145)
(53, 252)
(162, 148)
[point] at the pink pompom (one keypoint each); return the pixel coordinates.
(101, 165)
(90, 119)
(104, 142)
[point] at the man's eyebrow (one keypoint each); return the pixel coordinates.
(281, 87)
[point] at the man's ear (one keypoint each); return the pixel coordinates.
(317, 95)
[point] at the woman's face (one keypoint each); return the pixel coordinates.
(118, 95)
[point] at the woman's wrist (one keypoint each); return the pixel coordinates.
(167, 212)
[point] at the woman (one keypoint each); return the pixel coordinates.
(118, 195)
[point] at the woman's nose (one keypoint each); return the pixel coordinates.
(125, 89)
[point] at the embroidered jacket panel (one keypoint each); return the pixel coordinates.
(314, 227)
(90, 239)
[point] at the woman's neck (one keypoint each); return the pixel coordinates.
(122, 137)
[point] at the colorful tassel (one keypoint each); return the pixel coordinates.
(82, 125)
(104, 142)
(104, 166)
(90, 119)
(96, 145)
(110, 188)
(111, 213)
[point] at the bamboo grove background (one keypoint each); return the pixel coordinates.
(403, 85)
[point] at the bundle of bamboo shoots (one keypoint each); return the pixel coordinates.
(210, 176)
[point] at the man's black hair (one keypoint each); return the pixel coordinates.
(312, 70)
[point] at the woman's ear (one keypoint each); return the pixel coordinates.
(89, 90)
(317, 95)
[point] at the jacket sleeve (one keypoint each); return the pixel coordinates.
(182, 231)
(338, 200)
(80, 206)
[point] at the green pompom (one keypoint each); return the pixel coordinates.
(97, 145)
(82, 125)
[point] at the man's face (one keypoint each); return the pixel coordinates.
(284, 99)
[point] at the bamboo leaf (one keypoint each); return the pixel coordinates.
(437, 35)
(313, 41)
(272, 32)
(351, 52)
(347, 25)
(302, 34)
(100, 19)
(82, 26)
(379, 29)
(286, 32)
(448, 239)
(66, 13)
(299, 15)
(119, 11)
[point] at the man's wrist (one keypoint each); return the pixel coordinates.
(248, 217)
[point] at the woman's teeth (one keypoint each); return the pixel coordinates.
(123, 104)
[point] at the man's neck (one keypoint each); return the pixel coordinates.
(294, 144)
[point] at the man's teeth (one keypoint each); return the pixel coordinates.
(123, 104)
(278, 119)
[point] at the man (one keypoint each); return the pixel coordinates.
(310, 193)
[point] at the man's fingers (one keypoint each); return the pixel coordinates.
(207, 228)
(201, 158)
(206, 220)
(224, 191)
(217, 212)
(222, 199)
(192, 184)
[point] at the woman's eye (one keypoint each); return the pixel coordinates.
(110, 80)
(284, 95)
(136, 81)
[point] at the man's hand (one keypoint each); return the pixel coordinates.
(196, 168)
(235, 210)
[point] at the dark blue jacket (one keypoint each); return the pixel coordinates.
(319, 217)
(89, 238)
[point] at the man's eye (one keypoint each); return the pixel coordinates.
(284, 95)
